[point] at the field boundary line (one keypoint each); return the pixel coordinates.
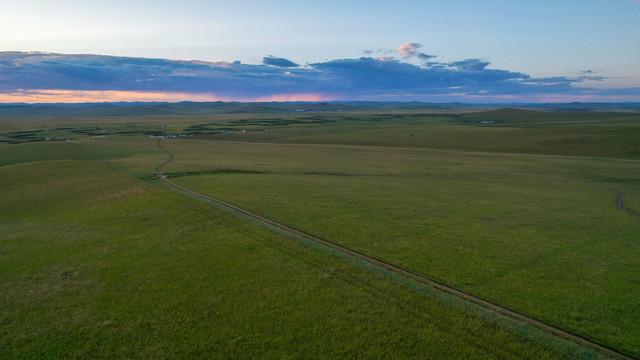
(602, 349)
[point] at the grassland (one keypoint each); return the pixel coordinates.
(495, 203)
(98, 264)
(524, 231)
(524, 132)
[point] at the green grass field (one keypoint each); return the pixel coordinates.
(524, 231)
(501, 210)
(99, 264)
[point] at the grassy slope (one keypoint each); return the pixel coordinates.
(140, 155)
(96, 263)
(579, 134)
(524, 231)
(514, 131)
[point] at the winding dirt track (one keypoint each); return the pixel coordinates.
(620, 203)
(420, 278)
(159, 169)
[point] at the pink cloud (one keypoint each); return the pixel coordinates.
(408, 49)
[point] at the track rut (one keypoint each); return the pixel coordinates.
(398, 270)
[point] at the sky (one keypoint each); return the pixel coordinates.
(285, 50)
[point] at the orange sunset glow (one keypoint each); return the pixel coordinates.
(88, 96)
(82, 96)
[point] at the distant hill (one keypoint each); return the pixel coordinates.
(205, 108)
(518, 116)
(201, 108)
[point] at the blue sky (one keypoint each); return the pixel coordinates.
(586, 50)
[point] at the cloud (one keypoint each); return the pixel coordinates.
(280, 62)
(409, 50)
(364, 78)
(594, 78)
(424, 57)
(372, 75)
(469, 65)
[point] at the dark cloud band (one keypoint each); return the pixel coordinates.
(365, 77)
(280, 62)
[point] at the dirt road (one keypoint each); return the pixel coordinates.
(620, 202)
(385, 265)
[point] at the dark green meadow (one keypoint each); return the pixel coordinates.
(515, 206)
